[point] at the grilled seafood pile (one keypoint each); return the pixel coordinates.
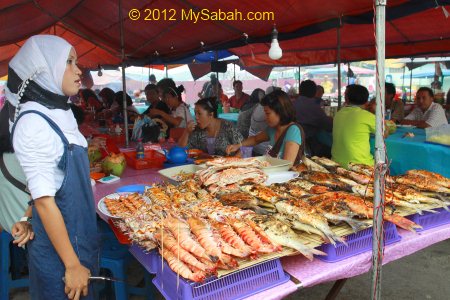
(224, 174)
(225, 214)
(125, 205)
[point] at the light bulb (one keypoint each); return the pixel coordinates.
(99, 73)
(275, 51)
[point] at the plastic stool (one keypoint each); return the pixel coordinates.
(115, 258)
(6, 283)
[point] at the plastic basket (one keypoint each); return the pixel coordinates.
(237, 285)
(357, 243)
(149, 260)
(430, 220)
(152, 159)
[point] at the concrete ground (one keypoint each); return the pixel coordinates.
(423, 275)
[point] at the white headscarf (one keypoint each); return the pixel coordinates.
(43, 59)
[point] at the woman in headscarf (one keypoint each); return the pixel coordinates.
(53, 156)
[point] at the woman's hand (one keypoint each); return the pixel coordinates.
(190, 127)
(76, 280)
(232, 148)
(22, 233)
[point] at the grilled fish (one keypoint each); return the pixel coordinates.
(263, 193)
(368, 192)
(309, 187)
(362, 208)
(330, 180)
(306, 214)
(301, 226)
(282, 234)
(313, 166)
(422, 183)
(366, 170)
(437, 178)
(242, 200)
(326, 163)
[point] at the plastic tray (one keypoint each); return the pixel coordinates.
(430, 220)
(134, 188)
(237, 285)
(149, 260)
(122, 238)
(358, 243)
(169, 174)
(152, 159)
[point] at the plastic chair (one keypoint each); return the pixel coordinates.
(115, 258)
(6, 282)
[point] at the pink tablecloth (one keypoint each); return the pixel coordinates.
(317, 272)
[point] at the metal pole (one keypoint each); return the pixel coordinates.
(339, 62)
(124, 83)
(380, 154)
(167, 71)
(410, 80)
(403, 84)
(348, 70)
(299, 78)
(216, 87)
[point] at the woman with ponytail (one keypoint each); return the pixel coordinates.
(180, 115)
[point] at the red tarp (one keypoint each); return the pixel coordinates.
(423, 33)
(93, 27)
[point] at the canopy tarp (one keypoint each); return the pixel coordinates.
(93, 25)
(421, 33)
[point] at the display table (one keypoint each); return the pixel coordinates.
(304, 272)
(409, 153)
(309, 273)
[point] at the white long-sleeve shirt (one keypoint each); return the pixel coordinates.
(39, 149)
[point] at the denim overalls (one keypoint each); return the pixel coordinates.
(75, 200)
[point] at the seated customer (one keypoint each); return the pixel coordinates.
(209, 130)
(312, 118)
(352, 127)
(427, 113)
(180, 115)
(396, 106)
(152, 96)
(283, 133)
(244, 118)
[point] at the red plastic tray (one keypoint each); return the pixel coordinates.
(152, 159)
(122, 238)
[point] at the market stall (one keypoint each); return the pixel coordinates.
(304, 273)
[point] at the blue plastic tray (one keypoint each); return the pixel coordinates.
(430, 220)
(149, 260)
(134, 188)
(358, 243)
(237, 285)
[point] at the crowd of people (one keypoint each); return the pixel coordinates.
(45, 168)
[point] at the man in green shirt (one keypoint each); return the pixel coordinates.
(352, 127)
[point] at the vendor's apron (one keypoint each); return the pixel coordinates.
(75, 200)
